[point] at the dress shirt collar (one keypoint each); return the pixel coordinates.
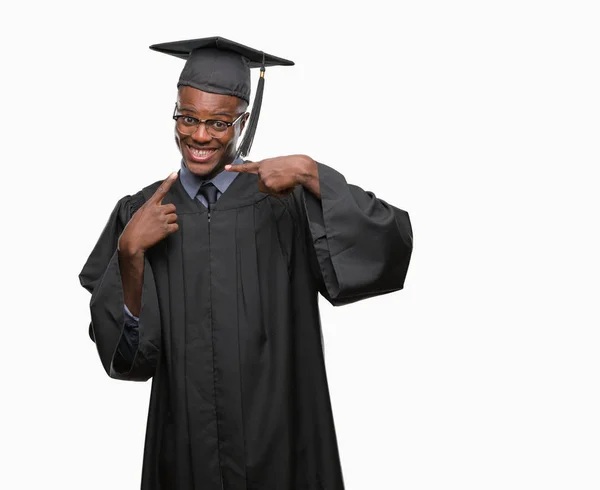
(191, 183)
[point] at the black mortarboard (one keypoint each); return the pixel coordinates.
(218, 65)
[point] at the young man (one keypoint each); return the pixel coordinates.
(208, 282)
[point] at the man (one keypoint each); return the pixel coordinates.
(208, 282)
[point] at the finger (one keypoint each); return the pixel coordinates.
(244, 168)
(168, 208)
(171, 218)
(172, 228)
(163, 188)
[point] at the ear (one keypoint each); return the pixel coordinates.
(244, 121)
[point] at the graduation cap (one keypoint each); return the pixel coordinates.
(220, 66)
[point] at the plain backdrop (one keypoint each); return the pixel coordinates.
(481, 119)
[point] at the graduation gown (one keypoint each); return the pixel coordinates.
(230, 331)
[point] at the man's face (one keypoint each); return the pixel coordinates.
(204, 154)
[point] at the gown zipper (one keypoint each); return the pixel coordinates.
(220, 470)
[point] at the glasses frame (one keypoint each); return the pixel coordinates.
(177, 115)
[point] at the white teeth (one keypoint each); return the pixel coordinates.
(200, 153)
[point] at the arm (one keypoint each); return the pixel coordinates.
(115, 277)
(360, 245)
(127, 352)
(131, 264)
(132, 280)
(149, 225)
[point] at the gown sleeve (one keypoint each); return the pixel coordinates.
(360, 245)
(125, 354)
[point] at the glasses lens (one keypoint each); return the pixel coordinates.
(187, 125)
(216, 127)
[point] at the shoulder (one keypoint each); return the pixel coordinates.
(129, 204)
(148, 191)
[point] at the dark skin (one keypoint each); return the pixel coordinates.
(155, 221)
(279, 175)
(204, 105)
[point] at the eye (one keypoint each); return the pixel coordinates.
(218, 125)
(189, 121)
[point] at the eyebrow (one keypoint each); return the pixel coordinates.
(223, 113)
(220, 113)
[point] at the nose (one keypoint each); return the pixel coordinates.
(201, 134)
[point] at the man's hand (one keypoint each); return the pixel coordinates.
(151, 223)
(279, 176)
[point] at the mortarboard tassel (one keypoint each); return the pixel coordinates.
(246, 144)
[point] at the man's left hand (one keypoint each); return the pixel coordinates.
(279, 175)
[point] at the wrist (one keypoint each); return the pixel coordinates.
(307, 170)
(128, 249)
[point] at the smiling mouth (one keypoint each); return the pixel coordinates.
(201, 155)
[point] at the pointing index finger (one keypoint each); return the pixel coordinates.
(163, 188)
(247, 168)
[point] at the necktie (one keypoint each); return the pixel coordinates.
(209, 191)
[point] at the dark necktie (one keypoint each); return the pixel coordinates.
(209, 191)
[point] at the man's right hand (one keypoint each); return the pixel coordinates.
(151, 223)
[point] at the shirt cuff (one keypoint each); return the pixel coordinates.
(130, 315)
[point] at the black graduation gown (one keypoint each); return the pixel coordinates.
(230, 329)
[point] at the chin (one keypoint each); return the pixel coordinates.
(203, 169)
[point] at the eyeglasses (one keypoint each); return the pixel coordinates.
(189, 125)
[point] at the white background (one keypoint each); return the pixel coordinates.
(481, 374)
